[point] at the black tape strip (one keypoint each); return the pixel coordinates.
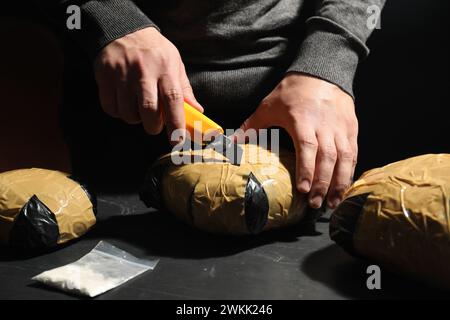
(256, 205)
(344, 221)
(35, 227)
(150, 192)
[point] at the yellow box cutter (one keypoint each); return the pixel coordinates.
(221, 143)
(192, 115)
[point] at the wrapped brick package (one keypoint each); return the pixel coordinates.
(398, 216)
(221, 198)
(42, 208)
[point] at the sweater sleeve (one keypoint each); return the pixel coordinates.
(335, 40)
(102, 21)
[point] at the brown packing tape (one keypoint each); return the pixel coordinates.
(211, 195)
(64, 197)
(405, 220)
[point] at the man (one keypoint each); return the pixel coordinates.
(265, 63)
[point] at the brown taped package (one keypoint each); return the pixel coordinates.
(398, 216)
(62, 198)
(223, 198)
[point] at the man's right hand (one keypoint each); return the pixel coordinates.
(141, 78)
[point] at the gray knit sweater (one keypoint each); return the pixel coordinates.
(238, 40)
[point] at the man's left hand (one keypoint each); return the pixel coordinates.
(320, 117)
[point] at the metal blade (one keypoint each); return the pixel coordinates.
(225, 146)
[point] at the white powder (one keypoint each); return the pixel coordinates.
(102, 269)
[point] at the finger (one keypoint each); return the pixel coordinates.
(172, 100)
(306, 145)
(188, 93)
(354, 161)
(342, 172)
(149, 111)
(248, 131)
(107, 94)
(258, 119)
(126, 103)
(353, 140)
(325, 163)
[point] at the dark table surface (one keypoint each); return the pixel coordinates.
(296, 263)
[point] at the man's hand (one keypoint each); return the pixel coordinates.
(141, 78)
(321, 120)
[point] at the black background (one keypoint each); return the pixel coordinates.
(403, 87)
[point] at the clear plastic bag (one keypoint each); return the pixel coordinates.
(103, 268)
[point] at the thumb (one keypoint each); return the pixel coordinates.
(258, 120)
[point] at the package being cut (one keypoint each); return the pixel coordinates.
(210, 193)
(42, 208)
(398, 216)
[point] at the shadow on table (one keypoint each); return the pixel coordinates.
(347, 276)
(12, 254)
(161, 234)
